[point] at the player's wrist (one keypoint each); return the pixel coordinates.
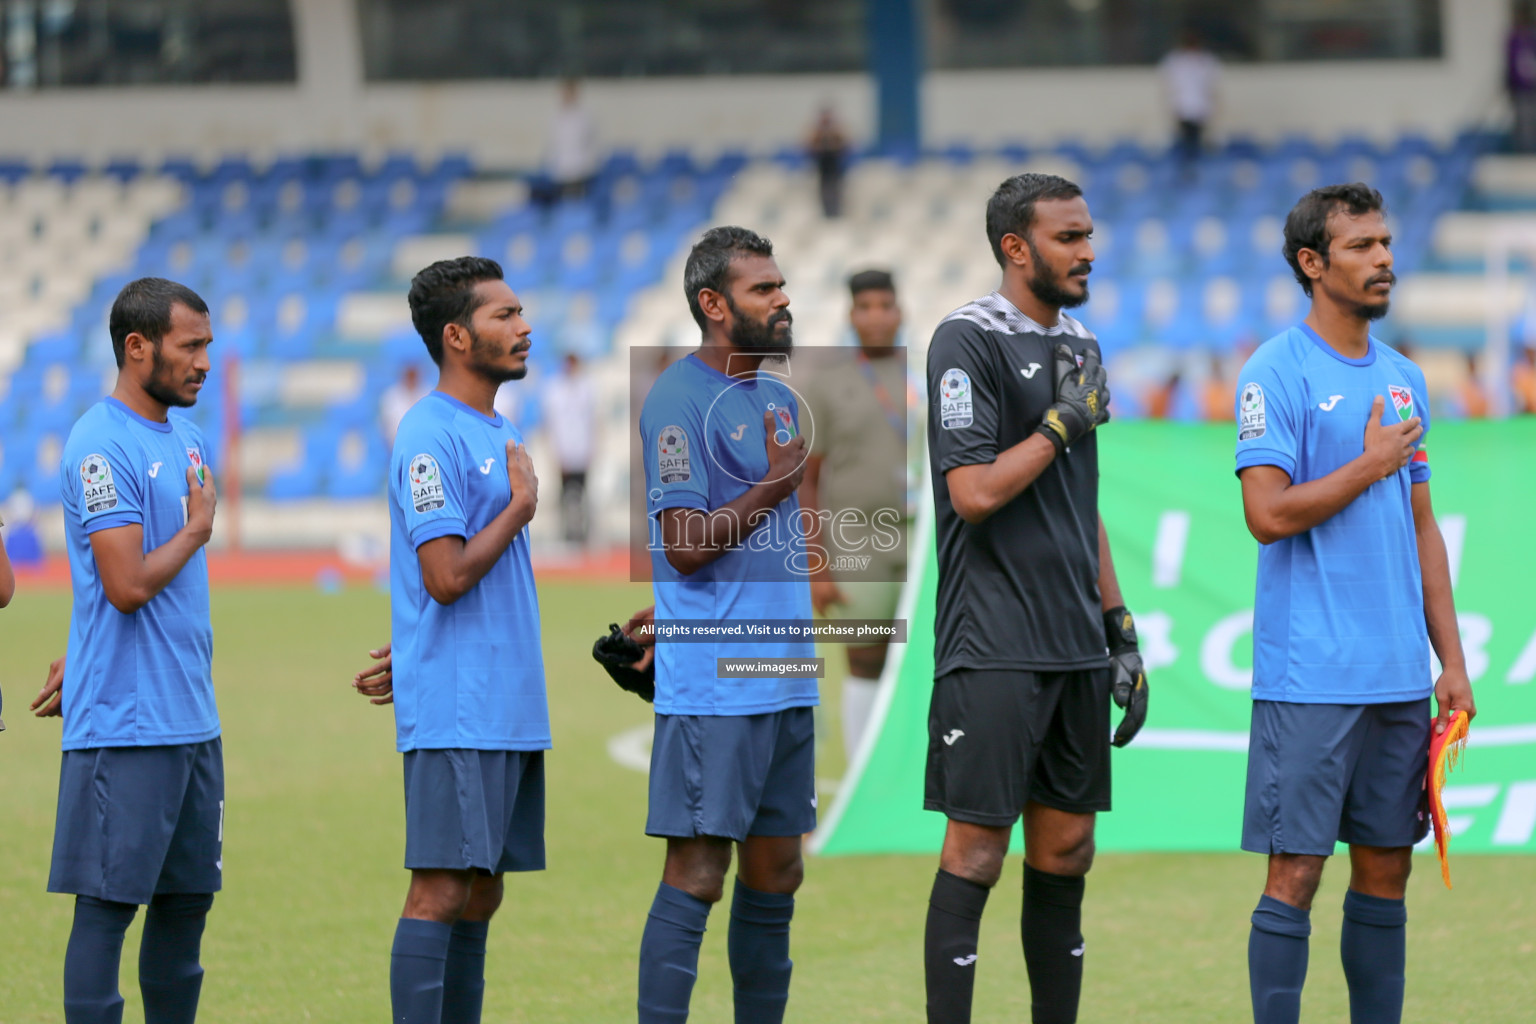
(1054, 430)
(1120, 629)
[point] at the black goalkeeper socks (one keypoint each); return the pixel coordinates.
(949, 946)
(1052, 930)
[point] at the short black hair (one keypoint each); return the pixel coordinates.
(1011, 210)
(1306, 226)
(709, 262)
(444, 294)
(144, 307)
(871, 281)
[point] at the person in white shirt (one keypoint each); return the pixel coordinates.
(1191, 74)
(397, 400)
(570, 401)
(572, 144)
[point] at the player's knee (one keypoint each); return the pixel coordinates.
(788, 876)
(704, 887)
(1384, 875)
(1076, 858)
(485, 898)
(984, 866)
(437, 896)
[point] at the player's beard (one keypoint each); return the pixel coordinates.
(1045, 286)
(760, 336)
(159, 386)
(1372, 310)
(484, 354)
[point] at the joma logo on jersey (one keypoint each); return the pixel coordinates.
(1402, 401)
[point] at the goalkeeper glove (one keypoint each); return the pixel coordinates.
(617, 654)
(1128, 679)
(1082, 399)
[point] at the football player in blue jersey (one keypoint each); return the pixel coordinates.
(464, 669)
(1353, 589)
(141, 790)
(733, 759)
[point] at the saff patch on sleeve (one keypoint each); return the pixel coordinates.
(426, 484)
(99, 491)
(1251, 421)
(956, 409)
(672, 459)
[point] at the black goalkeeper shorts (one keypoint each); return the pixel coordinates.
(998, 739)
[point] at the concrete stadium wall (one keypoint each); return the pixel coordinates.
(503, 123)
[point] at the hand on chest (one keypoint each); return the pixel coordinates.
(737, 439)
(166, 486)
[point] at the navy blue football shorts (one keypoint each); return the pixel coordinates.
(733, 776)
(1325, 773)
(479, 810)
(134, 822)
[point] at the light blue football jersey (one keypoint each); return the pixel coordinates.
(143, 679)
(469, 674)
(704, 446)
(1339, 612)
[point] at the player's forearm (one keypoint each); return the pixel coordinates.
(694, 538)
(1299, 507)
(1439, 605)
(979, 491)
(468, 565)
(1109, 583)
(130, 590)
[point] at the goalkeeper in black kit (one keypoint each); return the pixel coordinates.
(1032, 639)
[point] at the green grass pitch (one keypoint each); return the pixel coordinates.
(313, 882)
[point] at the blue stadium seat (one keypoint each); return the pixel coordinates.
(13, 171)
(68, 170)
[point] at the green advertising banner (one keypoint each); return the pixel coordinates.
(1187, 564)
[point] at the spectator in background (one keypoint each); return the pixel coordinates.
(1190, 76)
(1161, 397)
(572, 425)
(861, 406)
(828, 147)
(1523, 381)
(1471, 399)
(398, 399)
(1520, 76)
(572, 144)
(1218, 394)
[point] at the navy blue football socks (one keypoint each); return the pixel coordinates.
(949, 946)
(1373, 948)
(1051, 927)
(92, 960)
(759, 953)
(170, 972)
(416, 966)
(669, 955)
(1277, 960)
(464, 973)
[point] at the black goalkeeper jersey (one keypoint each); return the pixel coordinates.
(1021, 589)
